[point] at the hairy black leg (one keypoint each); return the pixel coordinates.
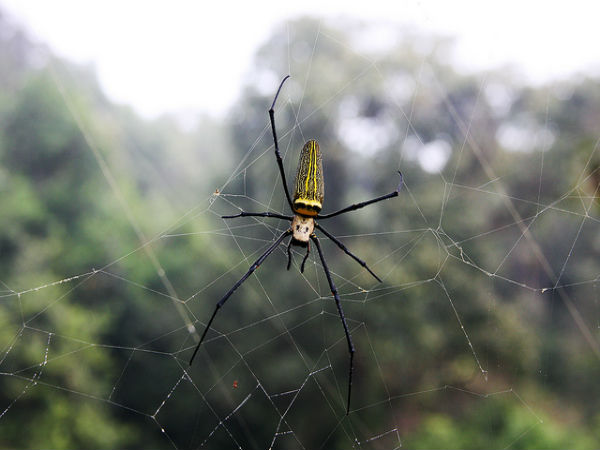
(289, 254)
(305, 257)
(345, 249)
(221, 302)
(338, 303)
(363, 204)
(259, 214)
(276, 142)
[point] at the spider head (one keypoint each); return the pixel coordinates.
(302, 229)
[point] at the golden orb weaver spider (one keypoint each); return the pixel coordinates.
(306, 206)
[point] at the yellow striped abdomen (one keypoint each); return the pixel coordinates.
(309, 186)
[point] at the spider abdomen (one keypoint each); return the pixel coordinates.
(309, 186)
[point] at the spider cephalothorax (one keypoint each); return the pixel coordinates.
(306, 206)
(302, 229)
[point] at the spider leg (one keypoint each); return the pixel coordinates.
(259, 214)
(345, 249)
(363, 204)
(275, 141)
(289, 254)
(334, 291)
(253, 267)
(305, 257)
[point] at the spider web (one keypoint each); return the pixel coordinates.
(277, 350)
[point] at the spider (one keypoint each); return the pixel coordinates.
(306, 206)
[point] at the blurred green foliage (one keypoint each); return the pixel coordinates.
(91, 191)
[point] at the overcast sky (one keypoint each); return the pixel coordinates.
(183, 49)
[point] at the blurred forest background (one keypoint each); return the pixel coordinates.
(484, 332)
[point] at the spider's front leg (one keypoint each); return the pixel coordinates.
(338, 303)
(252, 268)
(337, 242)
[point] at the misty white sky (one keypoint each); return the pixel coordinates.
(190, 56)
